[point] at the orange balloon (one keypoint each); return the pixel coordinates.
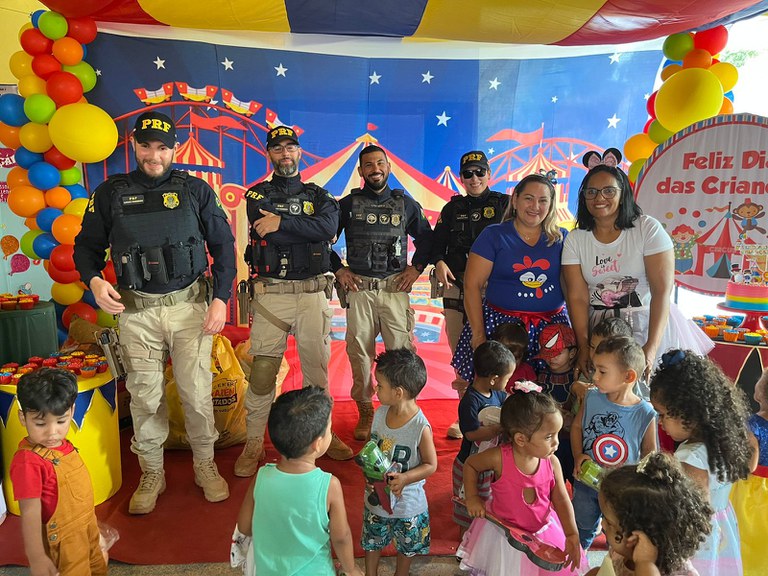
(66, 227)
(17, 176)
(727, 107)
(697, 58)
(68, 51)
(9, 136)
(58, 197)
(668, 71)
(26, 201)
(31, 223)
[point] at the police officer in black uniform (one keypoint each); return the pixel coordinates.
(461, 221)
(157, 223)
(293, 225)
(377, 279)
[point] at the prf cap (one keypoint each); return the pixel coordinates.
(155, 126)
(474, 158)
(280, 133)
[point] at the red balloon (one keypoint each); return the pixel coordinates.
(109, 273)
(82, 29)
(650, 105)
(57, 159)
(44, 65)
(63, 257)
(64, 88)
(61, 276)
(712, 40)
(81, 309)
(647, 125)
(35, 42)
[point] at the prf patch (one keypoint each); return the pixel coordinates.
(132, 199)
(171, 200)
(308, 208)
(253, 195)
(489, 212)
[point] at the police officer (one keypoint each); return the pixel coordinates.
(292, 227)
(157, 222)
(377, 279)
(461, 221)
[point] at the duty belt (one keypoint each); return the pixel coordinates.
(307, 286)
(387, 284)
(135, 301)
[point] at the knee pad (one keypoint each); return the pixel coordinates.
(264, 371)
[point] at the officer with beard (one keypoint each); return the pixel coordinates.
(461, 221)
(157, 223)
(292, 228)
(377, 279)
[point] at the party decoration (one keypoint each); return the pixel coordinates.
(9, 136)
(66, 227)
(63, 257)
(105, 319)
(39, 108)
(712, 40)
(17, 176)
(46, 217)
(70, 176)
(44, 65)
(35, 42)
(634, 169)
(93, 144)
(44, 176)
(667, 72)
(80, 309)
(58, 197)
(12, 110)
(57, 159)
(35, 137)
(31, 84)
(727, 107)
(726, 73)
(689, 96)
(19, 263)
(61, 276)
(82, 29)
(9, 245)
(27, 241)
(66, 294)
(53, 25)
(109, 273)
(20, 64)
(25, 201)
(43, 245)
(68, 51)
(677, 46)
(85, 73)
(31, 223)
(638, 146)
(25, 158)
(64, 88)
(658, 133)
(77, 207)
(77, 191)
(697, 58)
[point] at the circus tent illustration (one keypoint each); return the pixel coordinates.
(719, 242)
(449, 180)
(192, 157)
(540, 165)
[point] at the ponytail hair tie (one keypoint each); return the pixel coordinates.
(525, 386)
(672, 358)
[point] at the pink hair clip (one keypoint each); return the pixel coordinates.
(526, 386)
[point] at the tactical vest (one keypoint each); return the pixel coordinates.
(377, 242)
(276, 260)
(466, 224)
(156, 234)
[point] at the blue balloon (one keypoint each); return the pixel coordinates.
(77, 191)
(36, 16)
(729, 95)
(85, 51)
(44, 176)
(12, 110)
(44, 244)
(669, 62)
(25, 158)
(62, 334)
(90, 299)
(44, 220)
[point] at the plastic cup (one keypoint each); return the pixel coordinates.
(373, 461)
(591, 474)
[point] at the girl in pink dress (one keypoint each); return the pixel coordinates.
(528, 492)
(654, 519)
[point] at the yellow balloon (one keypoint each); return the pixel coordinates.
(634, 169)
(31, 84)
(638, 146)
(727, 73)
(66, 294)
(691, 95)
(35, 137)
(24, 28)
(20, 64)
(77, 207)
(83, 132)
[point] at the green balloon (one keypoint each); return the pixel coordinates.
(26, 243)
(105, 319)
(658, 133)
(677, 46)
(39, 108)
(84, 72)
(53, 25)
(70, 176)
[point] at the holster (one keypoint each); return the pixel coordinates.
(108, 340)
(437, 288)
(243, 301)
(342, 293)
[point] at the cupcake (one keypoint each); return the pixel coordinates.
(26, 304)
(101, 367)
(50, 362)
(36, 360)
(8, 305)
(6, 377)
(78, 354)
(753, 338)
(712, 331)
(730, 335)
(87, 371)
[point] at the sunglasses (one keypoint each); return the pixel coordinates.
(479, 172)
(608, 192)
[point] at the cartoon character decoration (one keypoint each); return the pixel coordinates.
(683, 242)
(616, 293)
(750, 213)
(550, 175)
(611, 157)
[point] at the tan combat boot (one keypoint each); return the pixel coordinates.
(363, 428)
(151, 485)
(338, 450)
(248, 461)
(208, 478)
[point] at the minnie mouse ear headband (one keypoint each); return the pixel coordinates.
(525, 386)
(611, 157)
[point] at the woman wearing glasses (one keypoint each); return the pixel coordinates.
(519, 260)
(620, 262)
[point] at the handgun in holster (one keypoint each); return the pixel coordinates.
(342, 293)
(253, 254)
(243, 301)
(108, 340)
(436, 288)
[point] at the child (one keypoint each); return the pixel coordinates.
(403, 433)
(51, 482)
(654, 518)
(528, 490)
(515, 337)
(293, 510)
(606, 328)
(494, 365)
(750, 497)
(613, 426)
(699, 407)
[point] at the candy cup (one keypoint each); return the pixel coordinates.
(88, 371)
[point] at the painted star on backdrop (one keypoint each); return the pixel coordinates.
(615, 57)
(98, 72)
(554, 99)
(646, 96)
(491, 151)
(281, 70)
(159, 63)
(494, 84)
(613, 121)
(375, 78)
(443, 119)
(228, 64)
(427, 78)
